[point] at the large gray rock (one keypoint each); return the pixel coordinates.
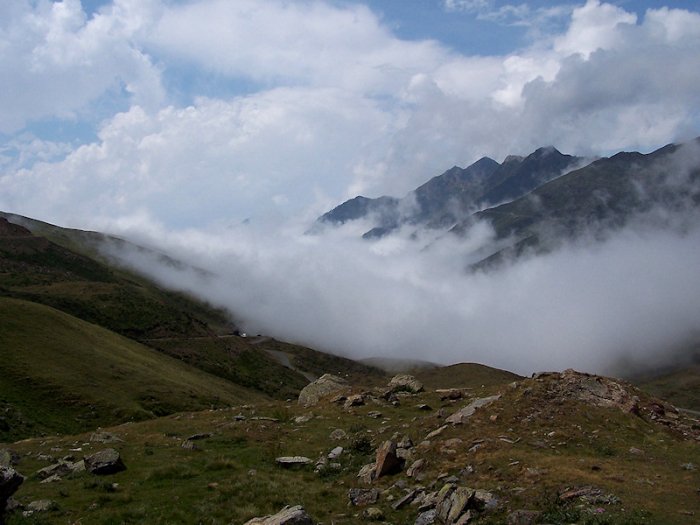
(468, 411)
(324, 386)
(10, 480)
(104, 462)
(8, 458)
(405, 383)
(287, 516)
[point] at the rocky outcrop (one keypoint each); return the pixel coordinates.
(104, 462)
(324, 386)
(10, 481)
(287, 516)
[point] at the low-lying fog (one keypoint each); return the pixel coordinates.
(607, 307)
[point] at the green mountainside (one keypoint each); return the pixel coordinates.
(61, 374)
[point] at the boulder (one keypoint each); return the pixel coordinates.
(324, 386)
(426, 518)
(287, 516)
(10, 480)
(387, 461)
(8, 458)
(416, 469)
(468, 411)
(104, 462)
(405, 383)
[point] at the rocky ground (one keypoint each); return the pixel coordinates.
(555, 448)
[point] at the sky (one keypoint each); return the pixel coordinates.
(203, 113)
(218, 131)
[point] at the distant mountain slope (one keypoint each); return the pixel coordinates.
(34, 268)
(599, 197)
(61, 374)
(447, 198)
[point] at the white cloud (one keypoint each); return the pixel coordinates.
(342, 106)
(632, 298)
(594, 26)
(55, 62)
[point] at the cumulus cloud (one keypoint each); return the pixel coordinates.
(339, 105)
(56, 62)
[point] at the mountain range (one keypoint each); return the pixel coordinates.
(537, 201)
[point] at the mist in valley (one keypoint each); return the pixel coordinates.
(618, 305)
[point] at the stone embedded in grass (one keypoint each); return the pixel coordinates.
(292, 461)
(335, 453)
(416, 469)
(104, 462)
(362, 497)
(41, 505)
(104, 437)
(287, 516)
(465, 413)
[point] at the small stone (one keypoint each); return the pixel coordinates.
(373, 514)
(688, 466)
(367, 473)
(523, 517)
(374, 414)
(335, 453)
(42, 505)
(303, 419)
(363, 497)
(287, 516)
(416, 469)
(338, 434)
(292, 461)
(636, 451)
(436, 432)
(354, 401)
(197, 437)
(104, 437)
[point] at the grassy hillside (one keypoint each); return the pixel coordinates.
(465, 375)
(71, 277)
(540, 440)
(61, 374)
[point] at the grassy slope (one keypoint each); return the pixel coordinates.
(465, 375)
(60, 268)
(59, 373)
(681, 387)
